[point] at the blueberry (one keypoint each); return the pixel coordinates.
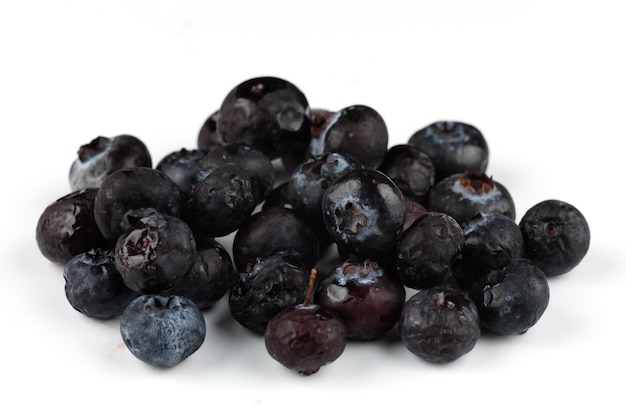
(411, 169)
(412, 211)
(556, 235)
(429, 252)
(365, 296)
(181, 166)
(454, 147)
(209, 136)
(94, 287)
(102, 156)
(512, 299)
(463, 195)
(267, 287)
(364, 213)
(67, 227)
(439, 324)
(155, 253)
(129, 194)
(266, 113)
(162, 331)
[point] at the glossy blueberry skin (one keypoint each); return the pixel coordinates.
(162, 331)
(305, 337)
(463, 195)
(439, 324)
(67, 227)
(429, 252)
(366, 297)
(155, 253)
(492, 240)
(364, 213)
(556, 235)
(94, 287)
(266, 113)
(512, 299)
(130, 194)
(273, 231)
(269, 286)
(103, 155)
(358, 131)
(221, 201)
(411, 169)
(181, 166)
(256, 163)
(453, 146)
(209, 136)
(210, 277)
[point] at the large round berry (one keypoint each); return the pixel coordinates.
(181, 166)
(267, 113)
(364, 213)
(411, 169)
(162, 331)
(556, 236)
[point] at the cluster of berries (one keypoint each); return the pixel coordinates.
(142, 243)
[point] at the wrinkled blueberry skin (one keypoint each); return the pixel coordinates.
(511, 300)
(358, 131)
(305, 337)
(463, 195)
(103, 155)
(429, 252)
(221, 201)
(366, 297)
(556, 235)
(266, 288)
(210, 277)
(266, 113)
(181, 166)
(454, 147)
(492, 240)
(256, 163)
(364, 213)
(155, 253)
(411, 169)
(130, 194)
(439, 324)
(209, 136)
(273, 231)
(94, 287)
(67, 227)
(162, 331)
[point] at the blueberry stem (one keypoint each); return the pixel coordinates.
(309, 289)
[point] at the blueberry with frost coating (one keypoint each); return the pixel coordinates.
(411, 169)
(162, 331)
(181, 166)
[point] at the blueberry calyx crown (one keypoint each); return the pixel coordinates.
(476, 183)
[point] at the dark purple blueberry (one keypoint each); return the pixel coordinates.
(556, 236)
(155, 253)
(67, 227)
(364, 213)
(210, 277)
(311, 178)
(209, 136)
(221, 201)
(275, 231)
(103, 155)
(266, 113)
(256, 163)
(512, 299)
(411, 169)
(428, 253)
(161, 330)
(439, 324)
(358, 131)
(267, 287)
(454, 147)
(181, 166)
(464, 195)
(94, 287)
(364, 295)
(130, 194)
(492, 240)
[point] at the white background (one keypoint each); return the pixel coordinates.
(543, 80)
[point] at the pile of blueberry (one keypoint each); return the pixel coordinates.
(358, 239)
